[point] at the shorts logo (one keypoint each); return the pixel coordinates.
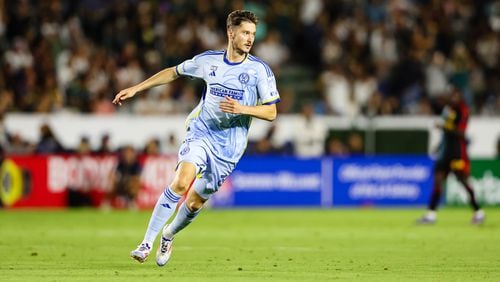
(184, 150)
(221, 181)
(244, 78)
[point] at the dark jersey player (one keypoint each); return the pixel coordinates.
(452, 157)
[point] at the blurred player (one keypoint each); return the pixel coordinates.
(452, 156)
(217, 128)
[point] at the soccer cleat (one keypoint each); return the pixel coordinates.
(478, 218)
(425, 220)
(141, 253)
(165, 249)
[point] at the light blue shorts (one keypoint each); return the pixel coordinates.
(211, 171)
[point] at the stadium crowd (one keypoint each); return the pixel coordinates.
(362, 57)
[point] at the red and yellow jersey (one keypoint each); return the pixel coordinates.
(453, 149)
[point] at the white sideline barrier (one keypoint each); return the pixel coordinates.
(482, 132)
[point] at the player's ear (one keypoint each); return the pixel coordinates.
(229, 32)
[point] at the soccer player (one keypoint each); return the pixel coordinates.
(452, 156)
(217, 128)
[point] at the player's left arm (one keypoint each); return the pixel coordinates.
(232, 106)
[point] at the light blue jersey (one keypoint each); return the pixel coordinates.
(250, 82)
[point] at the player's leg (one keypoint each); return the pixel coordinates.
(437, 190)
(203, 187)
(165, 207)
(463, 177)
(187, 213)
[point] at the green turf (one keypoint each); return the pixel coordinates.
(253, 245)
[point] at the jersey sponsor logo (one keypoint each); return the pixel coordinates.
(223, 91)
(244, 78)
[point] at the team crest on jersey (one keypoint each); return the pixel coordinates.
(244, 78)
(213, 69)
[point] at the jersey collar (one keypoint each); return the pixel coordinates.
(231, 63)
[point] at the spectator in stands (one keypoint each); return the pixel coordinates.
(335, 147)
(49, 98)
(272, 50)
(437, 81)
(264, 146)
(125, 180)
(6, 99)
(100, 104)
(18, 68)
(309, 133)
(104, 146)
(287, 103)
(48, 143)
(19, 146)
(152, 147)
(84, 148)
(355, 144)
(90, 46)
(337, 92)
(364, 86)
(261, 147)
(80, 186)
(144, 106)
(77, 95)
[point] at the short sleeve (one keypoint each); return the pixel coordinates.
(268, 93)
(192, 67)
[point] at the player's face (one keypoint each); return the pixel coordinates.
(242, 37)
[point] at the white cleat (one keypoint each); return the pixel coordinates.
(478, 218)
(141, 253)
(165, 249)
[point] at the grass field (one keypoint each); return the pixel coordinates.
(253, 245)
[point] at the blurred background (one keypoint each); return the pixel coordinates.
(362, 83)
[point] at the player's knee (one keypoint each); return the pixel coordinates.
(180, 186)
(194, 206)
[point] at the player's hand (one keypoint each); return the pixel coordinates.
(231, 106)
(123, 95)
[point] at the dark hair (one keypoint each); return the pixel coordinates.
(236, 17)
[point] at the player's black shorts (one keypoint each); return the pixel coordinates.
(457, 163)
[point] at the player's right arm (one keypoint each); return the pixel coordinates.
(163, 77)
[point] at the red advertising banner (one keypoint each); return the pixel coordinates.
(24, 184)
(45, 181)
(156, 175)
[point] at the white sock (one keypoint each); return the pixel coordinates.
(183, 218)
(164, 208)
